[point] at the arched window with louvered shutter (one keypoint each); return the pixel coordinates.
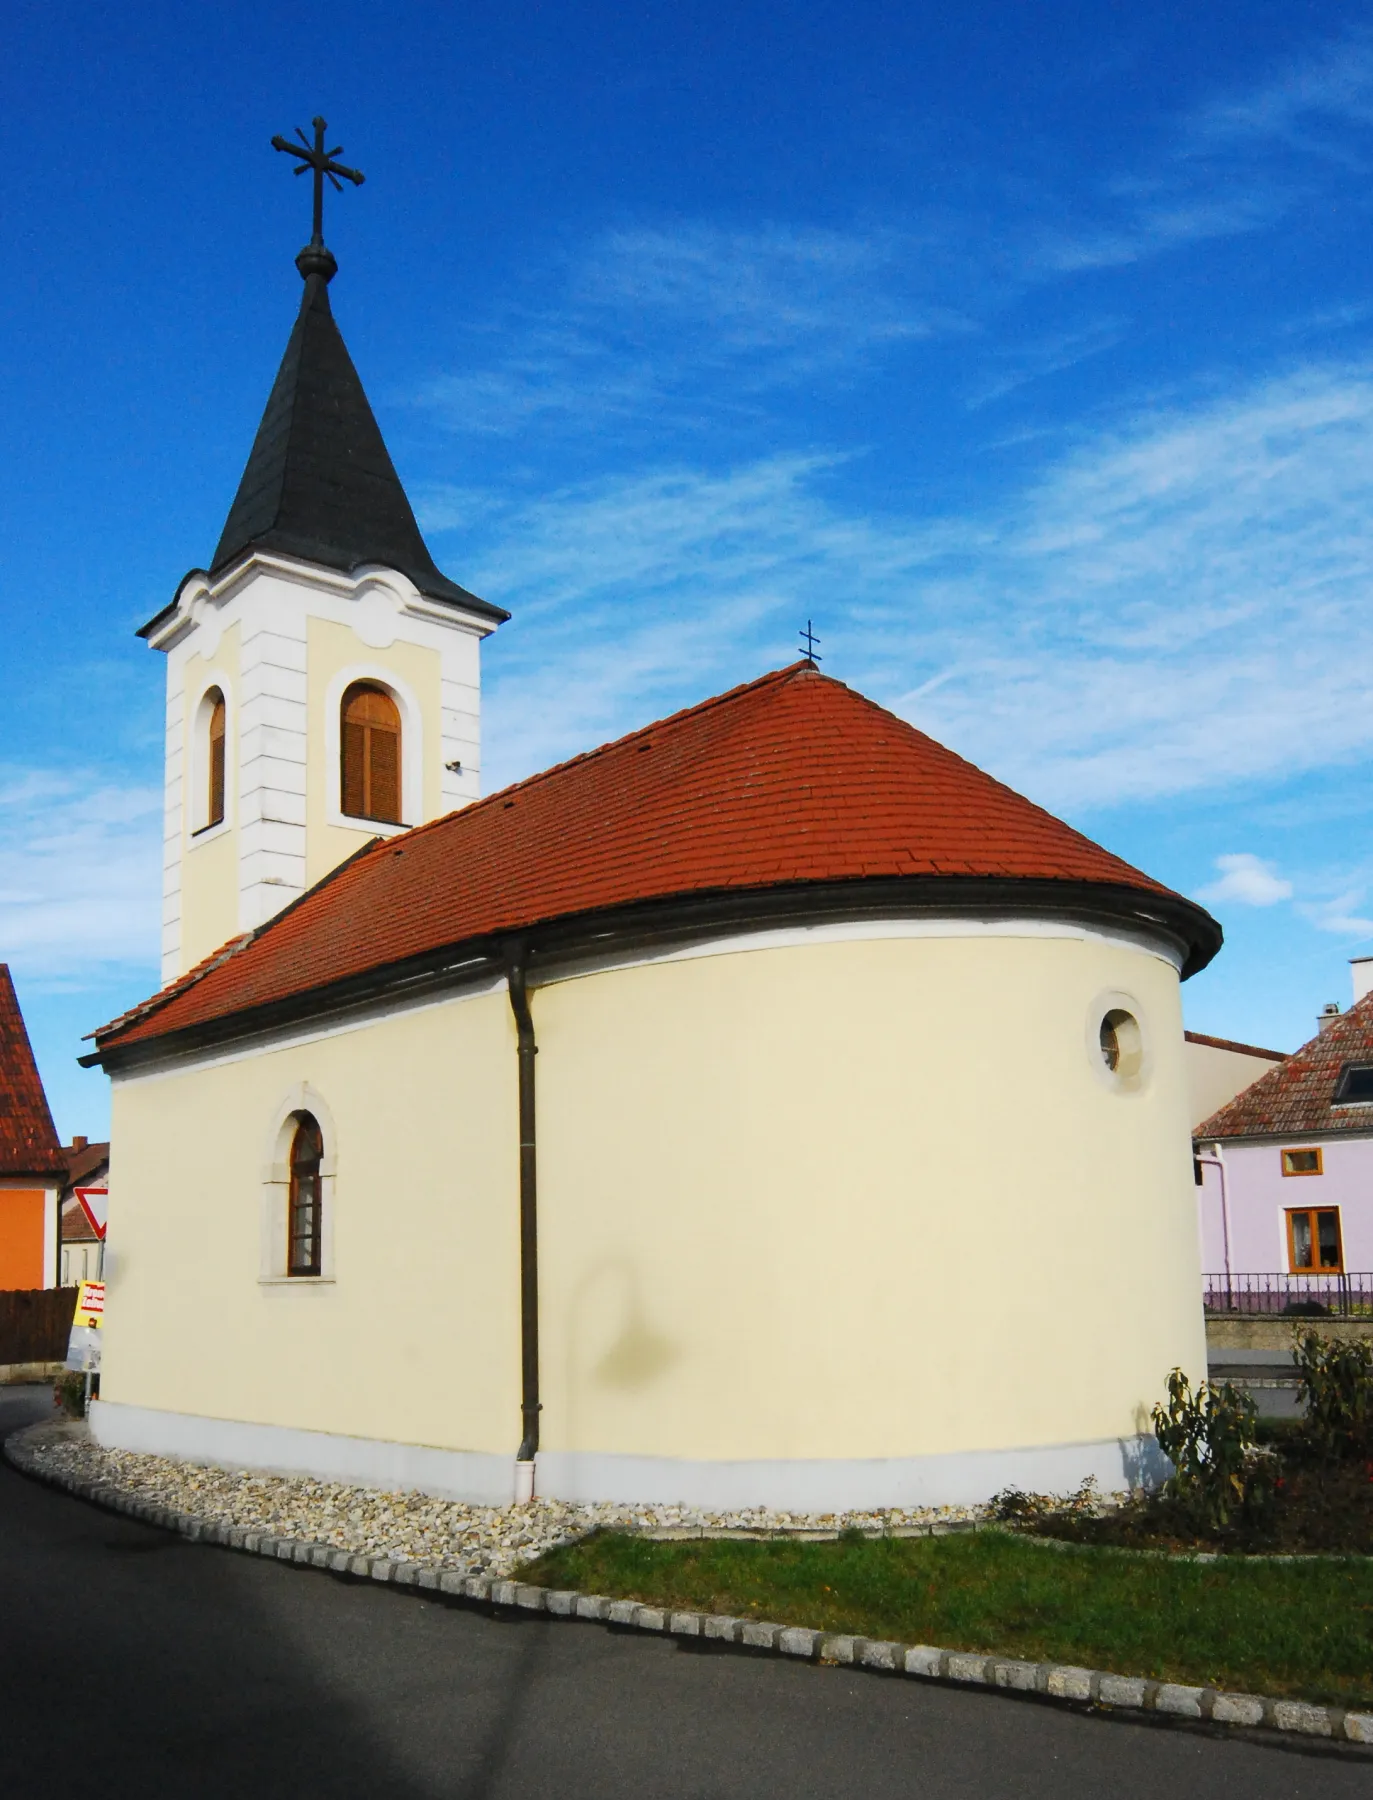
(370, 750)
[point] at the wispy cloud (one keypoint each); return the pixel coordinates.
(641, 318)
(634, 594)
(1329, 88)
(1327, 901)
(1246, 880)
(1015, 364)
(1239, 163)
(697, 320)
(1183, 605)
(770, 290)
(1338, 916)
(79, 894)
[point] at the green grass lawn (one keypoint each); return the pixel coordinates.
(1304, 1629)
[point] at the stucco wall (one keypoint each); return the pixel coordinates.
(1260, 1194)
(1215, 1076)
(775, 1187)
(417, 1338)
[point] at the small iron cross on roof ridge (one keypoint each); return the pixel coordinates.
(315, 259)
(809, 641)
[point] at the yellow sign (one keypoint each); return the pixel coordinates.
(83, 1346)
(90, 1304)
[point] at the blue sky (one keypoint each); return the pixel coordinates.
(1027, 349)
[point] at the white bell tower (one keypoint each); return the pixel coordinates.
(323, 677)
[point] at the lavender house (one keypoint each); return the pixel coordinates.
(1285, 1174)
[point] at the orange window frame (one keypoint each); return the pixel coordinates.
(1312, 1215)
(1304, 1150)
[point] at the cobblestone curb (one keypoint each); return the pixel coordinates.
(928, 1662)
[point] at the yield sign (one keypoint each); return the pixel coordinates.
(95, 1203)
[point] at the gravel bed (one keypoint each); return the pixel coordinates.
(413, 1527)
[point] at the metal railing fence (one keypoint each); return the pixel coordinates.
(1295, 1296)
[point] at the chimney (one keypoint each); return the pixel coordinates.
(1361, 968)
(79, 1143)
(1329, 1015)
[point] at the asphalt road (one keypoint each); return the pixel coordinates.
(132, 1663)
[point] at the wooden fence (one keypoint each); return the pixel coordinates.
(34, 1323)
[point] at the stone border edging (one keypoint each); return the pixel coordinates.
(1053, 1681)
(1234, 1557)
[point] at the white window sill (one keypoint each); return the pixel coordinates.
(295, 1281)
(374, 827)
(206, 834)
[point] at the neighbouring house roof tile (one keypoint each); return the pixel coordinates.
(1298, 1097)
(76, 1227)
(28, 1138)
(790, 779)
(85, 1165)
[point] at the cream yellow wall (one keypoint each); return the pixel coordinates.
(209, 865)
(861, 1199)
(841, 1199)
(332, 647)
(1215, 1076)
(417, 1338)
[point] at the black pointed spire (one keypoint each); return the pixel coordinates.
(319, 483)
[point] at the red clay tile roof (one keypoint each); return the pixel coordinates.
(76, 1227)
(1297, 1097)
(1197, 1037)
(792, 778)
(28, 1138)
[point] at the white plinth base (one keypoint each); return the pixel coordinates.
(959, 1478)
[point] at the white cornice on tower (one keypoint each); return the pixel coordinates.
(201, 597)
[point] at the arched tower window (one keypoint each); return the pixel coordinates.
(305, 1213)
(214, 760)
(371, 754)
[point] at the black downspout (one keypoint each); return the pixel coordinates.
(516, 955)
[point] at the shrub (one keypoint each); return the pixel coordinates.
(69, 1392)
(1012, 1506)
(1337, 1390)
(1209, 1437)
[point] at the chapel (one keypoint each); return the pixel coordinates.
(767, 1108)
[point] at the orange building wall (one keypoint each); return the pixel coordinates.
(21, 1237)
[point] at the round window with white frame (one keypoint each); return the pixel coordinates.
(1115, 1043)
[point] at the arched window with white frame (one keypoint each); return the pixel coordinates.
(297, 1244)
(305, 1202)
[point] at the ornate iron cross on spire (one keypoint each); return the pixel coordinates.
(315, 259)
(809, 641)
